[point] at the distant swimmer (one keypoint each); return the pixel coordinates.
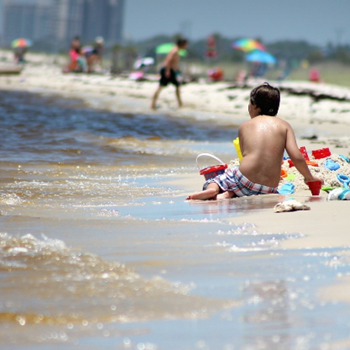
(170, 70)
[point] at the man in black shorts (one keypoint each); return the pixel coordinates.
(169, 71)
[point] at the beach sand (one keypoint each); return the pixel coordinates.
(319, 114)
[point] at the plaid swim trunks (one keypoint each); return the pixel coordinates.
(233, 180)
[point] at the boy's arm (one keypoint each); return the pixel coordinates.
(297, 158)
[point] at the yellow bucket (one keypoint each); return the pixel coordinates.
(238, 148)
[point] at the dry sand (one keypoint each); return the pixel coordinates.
(319, 114)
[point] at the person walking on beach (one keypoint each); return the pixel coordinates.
(263, 140)
(169, 71)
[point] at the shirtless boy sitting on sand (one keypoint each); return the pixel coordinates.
(263, 140)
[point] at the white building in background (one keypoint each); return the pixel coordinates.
(68, 19)
(58, 21)
(89, 19)
(103, 18)
(29, 20)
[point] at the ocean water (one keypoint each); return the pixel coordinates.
(100, 250)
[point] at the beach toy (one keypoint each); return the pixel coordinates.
(346, 159)
(304, 153)
(315, 187)
(211, 171)
(334, 195)
(283, 173)
(287, 188)
(308, 162)
(344, 195)
(238, 148)
(344, 180)
(321, 153)
(327, 188)
(331, 165)
(290, 177)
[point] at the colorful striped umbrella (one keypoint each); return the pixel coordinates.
(248, 45)
(21, 42)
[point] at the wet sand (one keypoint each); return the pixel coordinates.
(324, 123)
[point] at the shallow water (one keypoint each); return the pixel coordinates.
(97, 250)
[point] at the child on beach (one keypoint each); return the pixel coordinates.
(263, 140)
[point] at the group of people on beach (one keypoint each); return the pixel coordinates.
(85, 59)
(262, 139)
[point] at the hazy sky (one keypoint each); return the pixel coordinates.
(317, 21)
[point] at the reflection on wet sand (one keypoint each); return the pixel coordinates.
(268, 326)
(238, 205)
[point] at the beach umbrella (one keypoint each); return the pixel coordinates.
(261, 57)
(164, 49)
(248, 45)
(144, 62)
(21, 42)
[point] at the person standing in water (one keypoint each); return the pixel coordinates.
(169, 71)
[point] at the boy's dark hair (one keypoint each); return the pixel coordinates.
(267, 98)
(181, 42)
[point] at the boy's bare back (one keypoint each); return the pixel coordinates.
(263, 140)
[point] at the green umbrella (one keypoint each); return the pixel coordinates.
(164, 49)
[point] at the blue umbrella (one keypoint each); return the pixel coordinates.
(261, 56)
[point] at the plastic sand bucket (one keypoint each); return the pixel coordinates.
(315, 187)
(211, 171)
(238, 148)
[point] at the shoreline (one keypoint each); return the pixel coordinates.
(315, 124)
(105, 193)
(313, 109)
